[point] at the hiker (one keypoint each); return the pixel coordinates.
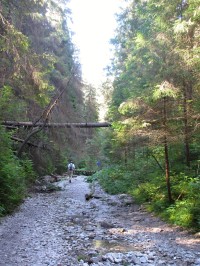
(71, 168)
(99, 164)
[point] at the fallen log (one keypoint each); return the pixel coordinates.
(29, 124)
(91, 196)
(55, 125)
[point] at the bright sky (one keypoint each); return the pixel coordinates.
(94, 23)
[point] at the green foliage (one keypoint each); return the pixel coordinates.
(15, 175)
(152, 190)
(153, 107)
(30, 175)
(10, 109)
(37, 56)
(184, 213)
(144, 179)
(114, 180)
(164, 90)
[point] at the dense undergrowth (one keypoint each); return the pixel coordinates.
(150, 190)
(15, 176)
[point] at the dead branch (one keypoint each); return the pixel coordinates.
(22, 140)
(30, 143)
(26, 140)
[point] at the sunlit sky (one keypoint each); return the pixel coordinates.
(93, 24)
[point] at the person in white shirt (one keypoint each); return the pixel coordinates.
(71, 168)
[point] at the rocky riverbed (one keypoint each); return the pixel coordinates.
(63, 229)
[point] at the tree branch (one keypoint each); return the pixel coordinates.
(22, 140)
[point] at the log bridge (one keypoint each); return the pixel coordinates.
(15, 124)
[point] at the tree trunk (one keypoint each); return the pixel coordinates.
(167, 171)
(186, 129)
(125, 155)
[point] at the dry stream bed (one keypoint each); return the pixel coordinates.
(63, 229)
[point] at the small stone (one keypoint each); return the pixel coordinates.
(96, 259)
(197, 261)
(161, 262)
(143, 260)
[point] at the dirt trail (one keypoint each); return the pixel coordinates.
(62, 229)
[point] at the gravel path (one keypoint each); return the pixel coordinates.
(62, 229)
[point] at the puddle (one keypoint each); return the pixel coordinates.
(115, 246)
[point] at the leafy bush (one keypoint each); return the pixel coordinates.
(14, 175)
(114, 180)
(179, 213)
(185, 211)
(152, 191)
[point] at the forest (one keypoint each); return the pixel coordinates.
(40, 82)
(151, 151)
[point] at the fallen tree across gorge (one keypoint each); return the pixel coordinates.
(53, 125)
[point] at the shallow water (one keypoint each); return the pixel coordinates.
(114, 246)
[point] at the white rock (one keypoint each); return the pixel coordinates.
(143, 260)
